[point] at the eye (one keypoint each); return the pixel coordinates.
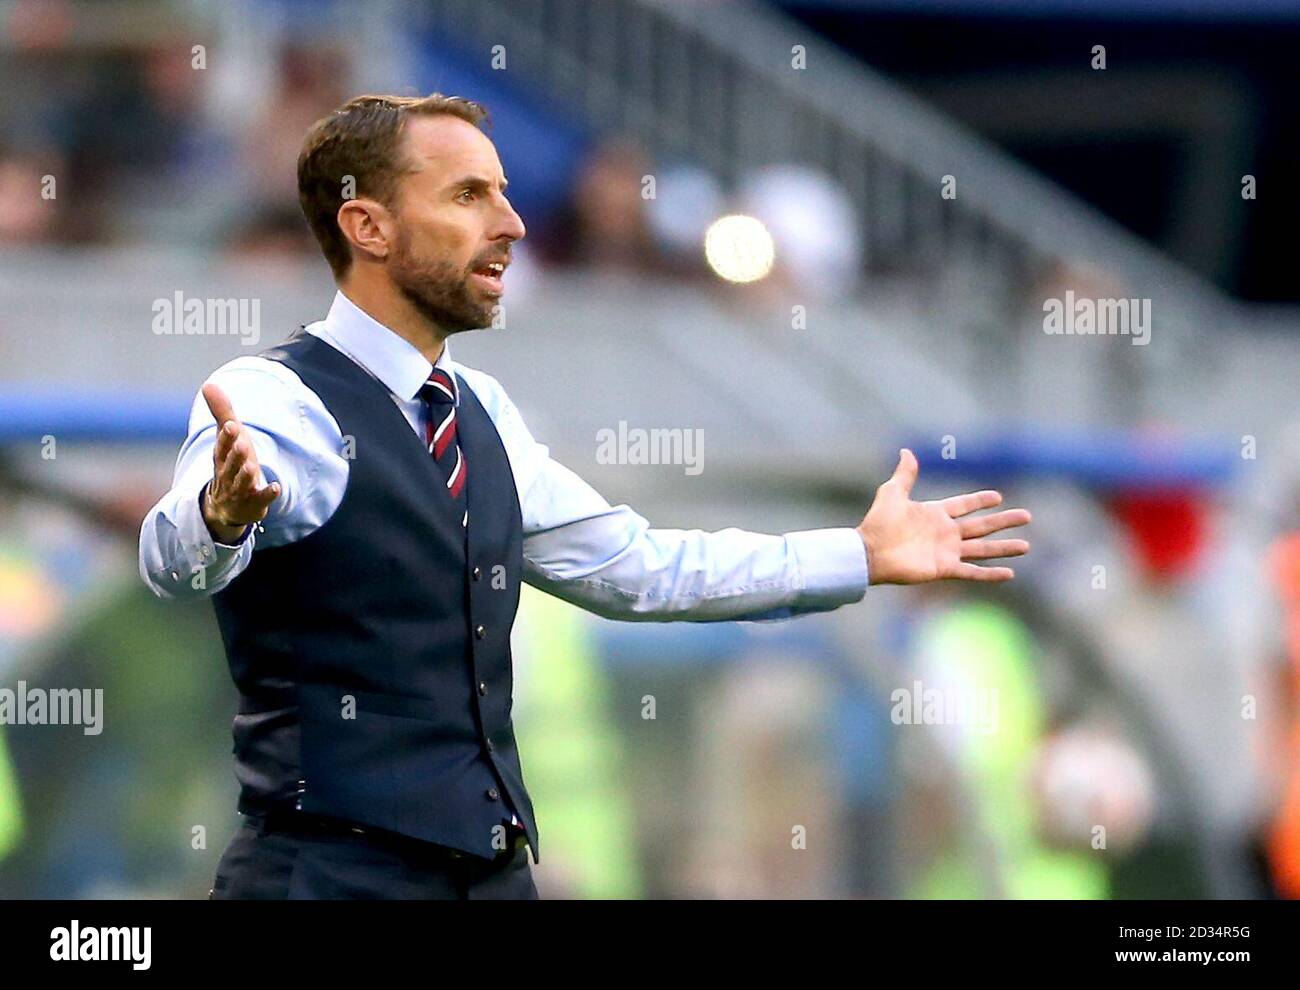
(463, 193)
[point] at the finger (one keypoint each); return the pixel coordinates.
(906, 471)
(973, 572)
(976, 526)
(248, 480)
(219, 405)
(959, 505)
(266, 495)
(233, 464)
(989, 549)
(227, 434)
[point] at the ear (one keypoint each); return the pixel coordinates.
(368, 226)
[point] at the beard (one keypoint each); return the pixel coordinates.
(440, 291)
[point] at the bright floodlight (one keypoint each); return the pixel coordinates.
(739, 248)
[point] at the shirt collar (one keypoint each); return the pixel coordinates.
(394, 360)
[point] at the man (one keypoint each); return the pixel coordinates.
(398, 501)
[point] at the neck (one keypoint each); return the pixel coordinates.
(385, 305)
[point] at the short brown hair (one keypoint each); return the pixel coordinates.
(361, 139)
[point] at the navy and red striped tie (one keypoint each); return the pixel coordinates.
(440, 436)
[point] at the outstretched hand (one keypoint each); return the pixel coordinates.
(235, 496)
(915, 542)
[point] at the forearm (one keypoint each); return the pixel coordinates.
(666, 575)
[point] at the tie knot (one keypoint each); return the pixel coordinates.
(439, 388)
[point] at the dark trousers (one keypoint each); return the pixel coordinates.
(297, 857)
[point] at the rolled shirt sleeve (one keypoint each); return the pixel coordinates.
(179, 559)
(610, 561)
(297, 444)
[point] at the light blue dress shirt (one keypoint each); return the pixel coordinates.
(576, 546)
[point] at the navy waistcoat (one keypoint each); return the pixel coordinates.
(372, 656)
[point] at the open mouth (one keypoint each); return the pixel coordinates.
(489, 276)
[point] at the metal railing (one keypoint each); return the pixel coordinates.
(716, 83)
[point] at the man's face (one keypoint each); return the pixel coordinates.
(454, 223)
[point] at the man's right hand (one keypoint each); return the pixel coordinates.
(235, 496)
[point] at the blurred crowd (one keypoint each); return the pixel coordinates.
(136, 144)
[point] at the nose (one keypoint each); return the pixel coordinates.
(510, 224)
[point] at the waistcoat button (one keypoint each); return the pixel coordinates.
(477, 573)
(480, 632)
(482, 687)
(492, 794)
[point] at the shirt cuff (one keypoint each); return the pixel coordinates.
(199, 538)
(833, 564)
